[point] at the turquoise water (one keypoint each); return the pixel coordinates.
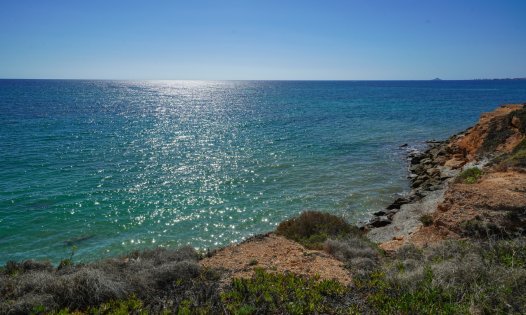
(112, 166)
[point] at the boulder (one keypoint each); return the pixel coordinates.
(379, 213)
(433, 172)
(416, 168)
(426, 161)
(455, 163)
(380, 221)
(417, 183)
(398, 203)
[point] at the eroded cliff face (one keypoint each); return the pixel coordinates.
(496, 133)
(472, 185)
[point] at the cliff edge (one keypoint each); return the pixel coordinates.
(474, 183)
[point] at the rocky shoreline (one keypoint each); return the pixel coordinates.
(432, 171)
(426, 175)
(429, 178)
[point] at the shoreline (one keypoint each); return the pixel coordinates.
(433, 172)
(428, 181)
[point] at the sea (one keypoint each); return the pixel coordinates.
(97, 169)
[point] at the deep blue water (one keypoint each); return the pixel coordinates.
(111, 166)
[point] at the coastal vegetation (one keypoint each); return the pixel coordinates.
(470, 175)
(313, 228)
(274, 293)
(477, 275)
(426, 219)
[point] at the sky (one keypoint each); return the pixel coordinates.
(263, 40)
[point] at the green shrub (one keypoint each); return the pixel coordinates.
(131, 305)
(509, 253)
(313, 228)
(275, 293)
(13, 268)
(388, 297)
(470, 175)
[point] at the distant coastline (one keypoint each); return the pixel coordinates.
(500, 79)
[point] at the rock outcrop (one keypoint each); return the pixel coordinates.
(440, 206)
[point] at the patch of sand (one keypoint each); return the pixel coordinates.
(275, 253)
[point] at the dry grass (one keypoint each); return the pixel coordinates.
(482, 277)
(479, 276)
(154, 276)
(360, 256)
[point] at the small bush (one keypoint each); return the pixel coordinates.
(161, 255)
(482, 229)
(470, 175)
(508, 253)
(131, 305)
(13, 268)
(312, 228)
(270, 293)
(426, 219)
(446, 251)
(357, 252)
(410, 251)
(170, 273)
(65, 263)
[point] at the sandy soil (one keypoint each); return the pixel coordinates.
(276, 253)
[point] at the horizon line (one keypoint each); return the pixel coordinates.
(342, 80)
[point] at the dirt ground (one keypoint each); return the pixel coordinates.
(276, 253)
(490, 199)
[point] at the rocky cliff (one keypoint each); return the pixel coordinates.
(472, 183)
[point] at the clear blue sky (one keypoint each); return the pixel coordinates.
(223, 39)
